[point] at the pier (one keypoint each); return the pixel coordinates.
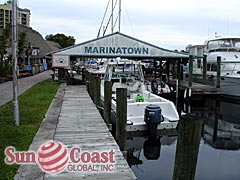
(196, 88)
(80, 124)
(74, 120)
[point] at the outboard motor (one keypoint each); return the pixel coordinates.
(152, 148)
(154, 86)
(153, 117)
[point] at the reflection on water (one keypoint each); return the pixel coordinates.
(206, 146)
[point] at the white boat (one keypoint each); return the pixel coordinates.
(229, 50)
(128, 74)
(96, 67)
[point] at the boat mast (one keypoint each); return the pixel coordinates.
(119, 20)
(112, 16)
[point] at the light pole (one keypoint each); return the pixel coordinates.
(14, 60)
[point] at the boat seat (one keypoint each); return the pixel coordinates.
(134, 86)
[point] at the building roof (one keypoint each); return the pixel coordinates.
(119, 45)
(36, 40)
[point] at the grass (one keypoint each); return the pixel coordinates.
(33, 105)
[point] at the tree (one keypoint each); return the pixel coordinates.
(21, 43)
(61, 39)
(5, 41)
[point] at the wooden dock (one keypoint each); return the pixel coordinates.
(80, 124)
(197, 88)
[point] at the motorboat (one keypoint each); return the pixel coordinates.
(128, 74)
(228, 48)
(96, 67)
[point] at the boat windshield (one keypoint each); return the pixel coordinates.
(228, 43)
(128, 71)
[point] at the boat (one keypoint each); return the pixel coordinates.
(228, 48)
(128, 74)
(96, 67)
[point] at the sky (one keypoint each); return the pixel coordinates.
(170, 24)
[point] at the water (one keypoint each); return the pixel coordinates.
(202, 149)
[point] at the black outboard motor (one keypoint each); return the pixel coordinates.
(153, 117)
(154, 86)
(152, 148)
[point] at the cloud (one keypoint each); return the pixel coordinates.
(170, 24)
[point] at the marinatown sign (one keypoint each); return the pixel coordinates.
(116, 50)
(118, 44)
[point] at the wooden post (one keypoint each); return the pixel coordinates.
(204, 67)
(96, 91)
(190, 71)
(178, 69)
(91, 87)
(121, 123)
(218, 71)
(107, 101)
(84, 74)
(87, 80)
(181, 72)
(168, 71)
(155, 68)
(90, 84)
(174, 70)
(160, 70)
(189, 136)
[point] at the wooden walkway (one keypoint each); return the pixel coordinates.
(197, 88)
(80, 124)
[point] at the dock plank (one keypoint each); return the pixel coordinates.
(81, 125)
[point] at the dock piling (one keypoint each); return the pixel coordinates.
(189, 128)
(121, 133)
(204, 67)
(96, 90)
(87, 81)
(107, 101)
(218, 71)
(190, 71)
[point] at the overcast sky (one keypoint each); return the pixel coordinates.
(171, 24)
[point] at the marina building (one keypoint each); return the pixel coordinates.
(195, 50)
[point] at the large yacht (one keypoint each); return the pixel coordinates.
(228, 48)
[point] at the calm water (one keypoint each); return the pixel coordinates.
(203, 148)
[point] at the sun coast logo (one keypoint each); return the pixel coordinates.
(53, 157)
